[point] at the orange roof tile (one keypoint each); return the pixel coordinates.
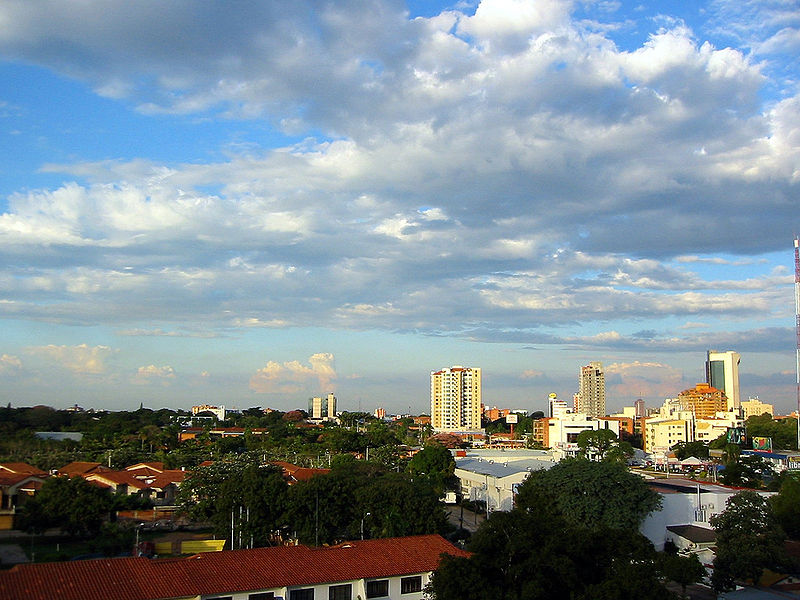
(21, 467)
(225, 572)
(81, 468)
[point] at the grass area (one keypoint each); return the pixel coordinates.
(61, 548)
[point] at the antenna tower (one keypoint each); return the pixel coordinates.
(797, 326)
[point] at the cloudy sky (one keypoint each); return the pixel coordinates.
(249, 204)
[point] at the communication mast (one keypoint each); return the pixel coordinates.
(797, 326)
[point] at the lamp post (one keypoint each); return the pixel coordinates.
(362, 524)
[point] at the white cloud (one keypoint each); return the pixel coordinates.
(10, 365)
(291, 377)
(81, 359)
(153, 373)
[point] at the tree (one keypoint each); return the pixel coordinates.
(534, 555)
(436, 463)
(786, 506)
(590, 494)
(72, 504)
(603, 444)
(749, 540)
(683, 570)
(684, 450)
(747, 471)
(248, 497)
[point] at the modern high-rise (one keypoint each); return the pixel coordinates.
(322, 408)
(722, 372)
(456, 399)
(591, 397)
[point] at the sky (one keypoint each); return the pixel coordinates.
(252, 203)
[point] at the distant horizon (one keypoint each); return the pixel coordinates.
(253, 204)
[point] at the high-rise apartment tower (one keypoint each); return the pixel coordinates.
(722, 372)
(591, 397)
(456, 399)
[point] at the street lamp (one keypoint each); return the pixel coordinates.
(362, 524)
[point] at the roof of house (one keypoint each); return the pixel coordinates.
(225, 572)
(81, 468)
(21, 467)
(156, 467)
(294, 473)
(10, 480)
(501, 468)
(116, 478)
(694, 533)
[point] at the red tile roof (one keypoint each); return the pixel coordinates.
(116, 478)
(81, 468)
(21, 467)
(225, 572)
(156, 467)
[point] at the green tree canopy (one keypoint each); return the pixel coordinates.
(749, 540)
(436, 463)
(603, 444)
(786, 506)
(72, 504)
(535, 555)
(590, 494)
(249, 497)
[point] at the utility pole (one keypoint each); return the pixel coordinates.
(797, 327)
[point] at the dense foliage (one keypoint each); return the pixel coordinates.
(73, 505)
(749, 540)
(553, 547)
(255, 505)
(589, 494)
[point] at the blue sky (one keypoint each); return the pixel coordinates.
(253, 206)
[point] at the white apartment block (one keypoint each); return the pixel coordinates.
(562, 433)
(754, 407)
(456, 399)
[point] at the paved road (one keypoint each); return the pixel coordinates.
(470, 520)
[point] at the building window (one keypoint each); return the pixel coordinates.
(409, 585)
(262, 596)
(378, 588)
(302, 594)
(340, 592)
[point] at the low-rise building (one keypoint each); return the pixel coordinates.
(562, 433)
(753, 407)
(493, 478)
(397, 568)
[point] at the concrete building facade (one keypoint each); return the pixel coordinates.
(591, 397)
(456, 399)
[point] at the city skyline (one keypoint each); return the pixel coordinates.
(258, 206)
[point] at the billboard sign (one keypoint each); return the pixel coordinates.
(512, 418)
(762, 443)
(793, 464)
(736, 435)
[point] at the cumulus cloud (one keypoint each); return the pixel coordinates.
(292, 377)
(152, 373)
(510, 173)
(9, 365)
(643, 380)
(81, 360)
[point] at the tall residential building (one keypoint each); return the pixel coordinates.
(456, 399)
(722, 372)
(322, 408)
(703, 400)
(591, 397)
